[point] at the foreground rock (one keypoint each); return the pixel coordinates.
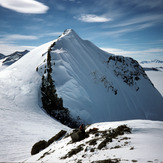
(112, 142)
(42, 144)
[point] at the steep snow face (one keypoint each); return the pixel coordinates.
(98, 86)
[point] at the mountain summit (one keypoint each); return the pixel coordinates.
(96, 86)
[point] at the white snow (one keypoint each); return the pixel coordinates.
(78, 71)
(87, 84)
(23, 122)
(155, 76)
(145, 144)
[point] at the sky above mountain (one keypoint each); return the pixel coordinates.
(124, 27)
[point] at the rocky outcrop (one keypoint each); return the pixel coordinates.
(42, 144)
(50, 100)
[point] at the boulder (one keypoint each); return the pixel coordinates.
(39, 146)
(77, 136)
(56, 137)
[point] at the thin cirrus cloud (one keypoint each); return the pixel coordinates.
(137, 54)
(154, 19)
(16, 37)
(90, 18)
(10, 48)
(25, 6)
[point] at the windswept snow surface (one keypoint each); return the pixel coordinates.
(23, 122)
(144, 144)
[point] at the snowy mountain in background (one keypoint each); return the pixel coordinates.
(7, 60)
(151, 61)
(10, 59)
(2, 56)
(94, 85)
(154, 70)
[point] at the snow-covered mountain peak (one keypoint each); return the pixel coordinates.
(97, 86)
(69, 31)
(69, 34)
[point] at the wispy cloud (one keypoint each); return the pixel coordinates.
(25, 6)
(148, 3)
(116, 32)
(21, 37)
(143, 19)
(125, 52)
(7, 49)
(51, 34)
(137, 54)
(90, 18)
(16, 37)
(9, 42)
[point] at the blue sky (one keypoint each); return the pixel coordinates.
(125, 27)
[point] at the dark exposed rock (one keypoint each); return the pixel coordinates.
(50, 100)
(2, 56)
(39, 146)
(57, 137)
(112, 134)
(107, 161)
(73, 152)
(78, 136)
(42, 144)
(104, 142)
(127, 69)
(96, 143)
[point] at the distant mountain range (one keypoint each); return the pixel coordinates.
(2, 56)
(10, 59)
(151, 61)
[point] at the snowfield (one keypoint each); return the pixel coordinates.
(23, 122)
(91, 90)
(144, 144)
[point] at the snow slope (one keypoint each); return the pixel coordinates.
(154, 70)
(84, 79)
(99, 86)
(23, 122)
(144, 144)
